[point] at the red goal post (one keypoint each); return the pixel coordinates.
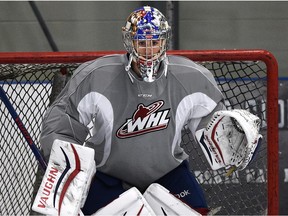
(22, 73)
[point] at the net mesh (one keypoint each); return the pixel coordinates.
(243, 192)
(32, 87)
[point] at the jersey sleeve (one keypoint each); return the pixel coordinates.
(212, 100)
(203, 94)
(61, 120)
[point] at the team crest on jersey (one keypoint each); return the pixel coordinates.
(145, 119)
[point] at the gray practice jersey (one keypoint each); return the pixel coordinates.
(134, 126)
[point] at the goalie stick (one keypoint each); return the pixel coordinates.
(22, 128)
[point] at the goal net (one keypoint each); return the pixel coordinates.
(247, 78)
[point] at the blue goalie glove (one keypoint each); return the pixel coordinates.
(230, 139)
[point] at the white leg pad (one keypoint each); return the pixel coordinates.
(131, 202)
(164, 203)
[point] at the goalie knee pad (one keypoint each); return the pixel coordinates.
(164, 203)
(66, 181)
(155, 201)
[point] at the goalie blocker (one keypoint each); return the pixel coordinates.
(64, 187)
(230, 139)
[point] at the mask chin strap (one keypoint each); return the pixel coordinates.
(128, 66)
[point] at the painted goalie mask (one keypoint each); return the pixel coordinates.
(145, 37)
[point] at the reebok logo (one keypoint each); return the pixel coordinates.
(145, 119)
(182, 194)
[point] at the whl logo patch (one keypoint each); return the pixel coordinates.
(145, 119)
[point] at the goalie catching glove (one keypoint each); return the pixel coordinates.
(230, 138)
(65, 185)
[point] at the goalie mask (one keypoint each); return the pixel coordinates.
(145, 37)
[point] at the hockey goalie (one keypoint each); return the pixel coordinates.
(113, 135)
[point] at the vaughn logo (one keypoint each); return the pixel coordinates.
(145, 119)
